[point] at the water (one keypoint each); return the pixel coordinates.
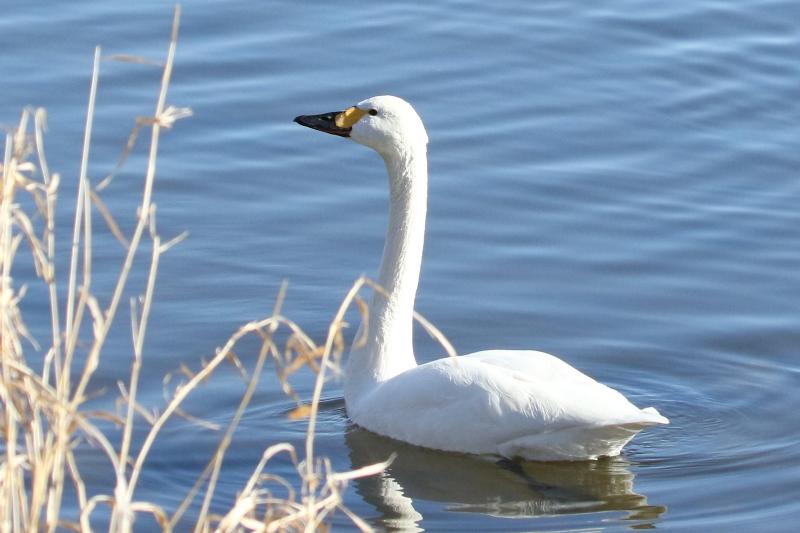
(617, 185)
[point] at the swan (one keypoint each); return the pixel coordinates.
(507, 403)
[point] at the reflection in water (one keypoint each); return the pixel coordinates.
(477, 485)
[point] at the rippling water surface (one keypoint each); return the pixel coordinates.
(617, 185)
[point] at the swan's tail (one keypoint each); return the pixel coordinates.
(652, 417)
(582, 442)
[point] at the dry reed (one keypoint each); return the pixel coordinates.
(43, 400)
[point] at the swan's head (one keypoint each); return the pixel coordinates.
(387, 124)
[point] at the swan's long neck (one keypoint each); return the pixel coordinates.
(388, 350)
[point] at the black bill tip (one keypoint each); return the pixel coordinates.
(326, 122)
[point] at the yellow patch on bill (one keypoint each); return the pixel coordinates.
(349, 116)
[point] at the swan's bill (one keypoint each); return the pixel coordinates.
(336, 123)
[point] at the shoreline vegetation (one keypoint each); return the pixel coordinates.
(44, 414)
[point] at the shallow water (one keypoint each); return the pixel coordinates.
(617, 185)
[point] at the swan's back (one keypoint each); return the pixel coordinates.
(504, 402)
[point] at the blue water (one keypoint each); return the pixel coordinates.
(615, 184)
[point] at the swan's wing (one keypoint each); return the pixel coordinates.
(559, 382)
(493, 400)
(596, 400)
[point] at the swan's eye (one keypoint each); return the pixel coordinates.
(373, 112)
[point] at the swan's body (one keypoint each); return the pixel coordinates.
(501, 402)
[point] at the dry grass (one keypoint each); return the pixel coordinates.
(43, 399)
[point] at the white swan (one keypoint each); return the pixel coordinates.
(500, 402)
